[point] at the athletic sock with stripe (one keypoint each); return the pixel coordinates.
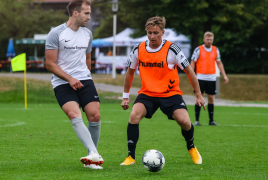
(132, 138)
(189, 137)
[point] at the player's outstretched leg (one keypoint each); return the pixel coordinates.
(133, 136)
(189, 138)
(85, 137)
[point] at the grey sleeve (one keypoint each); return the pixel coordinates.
(52, 41)
(89, 48)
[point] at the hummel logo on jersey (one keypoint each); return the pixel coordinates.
(149, 64)
(96, 96)
(67, 40)
(182, 104)
(130, 141)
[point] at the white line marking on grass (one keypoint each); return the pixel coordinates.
(234, 125)
(12, 109)
(263, 114)
(107, 121)
(246, 126)
(121, 110)
(102, 121)
(16, 124)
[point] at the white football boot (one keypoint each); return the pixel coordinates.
(93, 166)
(92, 158)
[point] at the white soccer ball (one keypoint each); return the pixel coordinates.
(153, 160)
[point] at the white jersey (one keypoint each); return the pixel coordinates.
(72, 46)
(195, 57)
(174, 57)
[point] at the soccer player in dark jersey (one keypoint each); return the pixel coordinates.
(158, 59)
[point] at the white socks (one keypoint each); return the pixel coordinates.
(83, 134)
(94, 129)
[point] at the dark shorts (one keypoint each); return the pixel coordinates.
(65, 93)
(167, 104)
(207, 86)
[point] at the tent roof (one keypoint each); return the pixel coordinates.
(123, 38)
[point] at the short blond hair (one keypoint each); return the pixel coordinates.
(208, 34)
(159, 21)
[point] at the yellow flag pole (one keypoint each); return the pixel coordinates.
(25, 89)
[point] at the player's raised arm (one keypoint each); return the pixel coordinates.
(200, 101)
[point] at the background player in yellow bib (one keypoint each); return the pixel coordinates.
(203, 59)
(158, 60)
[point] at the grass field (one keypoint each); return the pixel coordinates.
(240, 87)
(39, 143)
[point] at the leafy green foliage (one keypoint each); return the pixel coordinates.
(238, 26)
(23, 19)
(106, 28)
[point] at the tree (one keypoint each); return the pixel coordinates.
(23, 19)
(234, 23)
(106, 28)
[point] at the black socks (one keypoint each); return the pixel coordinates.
(189, 137)
(210, 112)
(132, 138)
(197, 112)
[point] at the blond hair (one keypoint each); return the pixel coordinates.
(159, 21)
(76, 5)
(208, 34)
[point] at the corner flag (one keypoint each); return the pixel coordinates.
(18, 63)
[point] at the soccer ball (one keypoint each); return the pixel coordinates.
(153, 160)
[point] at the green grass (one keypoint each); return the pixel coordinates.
(240, 87)
(12, 91)
(39, 143)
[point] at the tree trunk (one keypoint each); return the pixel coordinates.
(194, 40)
(208, 25)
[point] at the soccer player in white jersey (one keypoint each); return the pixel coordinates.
(158, 60)
(68, 57)
(203, 59)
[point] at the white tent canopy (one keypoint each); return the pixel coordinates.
(123, 38)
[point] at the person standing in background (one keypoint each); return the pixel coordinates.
(203, 59)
